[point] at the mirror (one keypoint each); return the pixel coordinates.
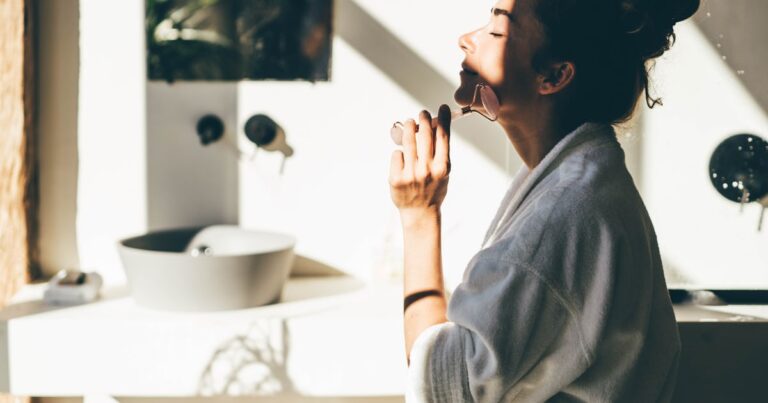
(230, 40)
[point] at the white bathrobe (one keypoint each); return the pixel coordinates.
(566, 301)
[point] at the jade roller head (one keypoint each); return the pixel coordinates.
(484, 96)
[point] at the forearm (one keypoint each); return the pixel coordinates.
(423, 272)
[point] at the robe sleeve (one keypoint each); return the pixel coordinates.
(510, 335)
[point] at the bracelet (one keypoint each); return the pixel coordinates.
(410, 299)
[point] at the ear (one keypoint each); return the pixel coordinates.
(556, 78)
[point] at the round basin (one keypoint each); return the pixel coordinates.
(207, 268)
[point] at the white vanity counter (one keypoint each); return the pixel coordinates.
(330, 336)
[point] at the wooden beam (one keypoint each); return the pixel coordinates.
(17, 161)
(18, 181)
(13, 228)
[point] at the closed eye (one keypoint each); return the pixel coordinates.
(496, 34)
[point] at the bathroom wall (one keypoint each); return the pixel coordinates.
(736, 26)
(58, 55)
(710, 92)
(90, 116)
(112, 158)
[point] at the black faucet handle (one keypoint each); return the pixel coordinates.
(261, 129)
(210, 128)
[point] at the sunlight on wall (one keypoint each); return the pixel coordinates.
(111, 190)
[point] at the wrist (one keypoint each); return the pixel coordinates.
(420, 218)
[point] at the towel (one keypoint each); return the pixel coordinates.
(566, 299)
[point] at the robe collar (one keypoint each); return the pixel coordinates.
(525, 180)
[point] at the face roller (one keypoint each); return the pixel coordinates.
(488, 100)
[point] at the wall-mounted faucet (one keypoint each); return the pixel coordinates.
(738, 170)
(260, 129)
(265, 133)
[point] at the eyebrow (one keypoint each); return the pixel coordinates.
(500, 11)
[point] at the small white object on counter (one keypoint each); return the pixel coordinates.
(71, 287)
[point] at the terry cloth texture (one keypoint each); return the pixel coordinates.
(566, 301)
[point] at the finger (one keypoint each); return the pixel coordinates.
(425, 139)
(409, 146)
(443, 136)
(396, 133)
(396, 164)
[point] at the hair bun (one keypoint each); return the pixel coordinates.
(636, 14)
(679, 10)
(649, 23)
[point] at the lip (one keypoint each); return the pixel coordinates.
(466, 70)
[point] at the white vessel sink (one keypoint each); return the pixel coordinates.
(207, 269)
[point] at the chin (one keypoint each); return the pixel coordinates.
(463, 95)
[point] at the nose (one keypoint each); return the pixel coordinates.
(467, 42)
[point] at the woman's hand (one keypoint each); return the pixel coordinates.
(418, 181)
(418, 175)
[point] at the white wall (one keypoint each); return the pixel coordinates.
(188, 184)
(111, 189)
(703, 238)
(58, 59)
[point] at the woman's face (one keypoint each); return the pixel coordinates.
(499, 54)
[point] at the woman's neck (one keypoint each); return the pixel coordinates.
(534, 134)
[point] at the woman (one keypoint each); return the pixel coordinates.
(566, 301)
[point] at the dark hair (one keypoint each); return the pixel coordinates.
(610, 43)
